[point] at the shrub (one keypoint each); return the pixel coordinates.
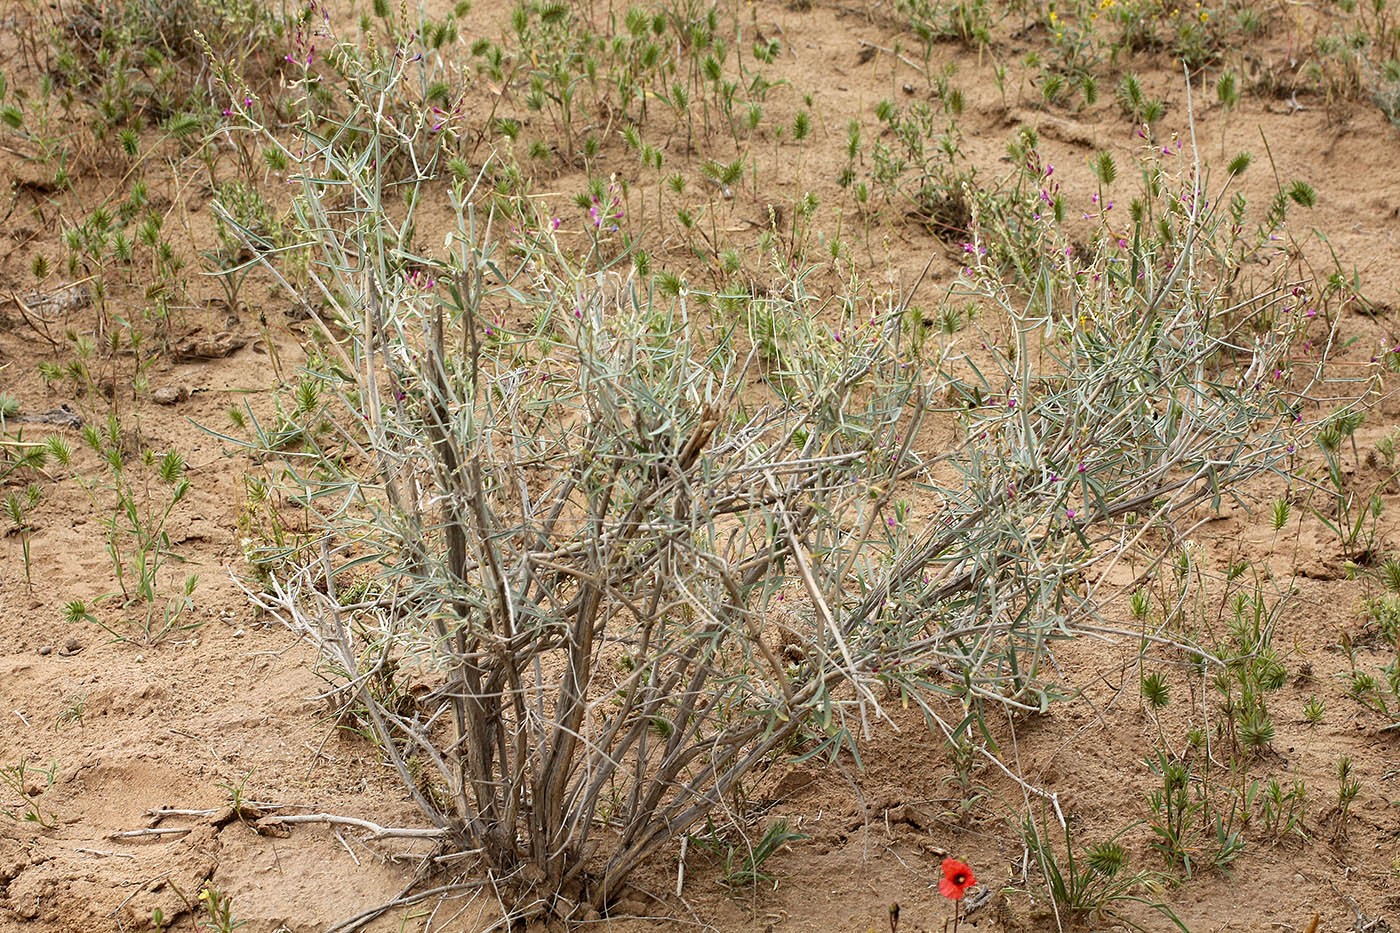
(625, 579)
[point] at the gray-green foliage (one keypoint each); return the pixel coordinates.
(631, 579)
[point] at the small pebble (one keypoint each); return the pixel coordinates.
(46, 649)
(71, 645)
(140, 659)
(170, 395)
(238, 634)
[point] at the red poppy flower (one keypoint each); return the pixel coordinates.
(957, 878)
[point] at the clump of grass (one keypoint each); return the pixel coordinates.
(1095, 883)
(743, 861)
(135, 496)
(1348, 789)
(1377, 687)
(1194, 830)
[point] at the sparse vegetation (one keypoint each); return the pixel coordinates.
(636, 408)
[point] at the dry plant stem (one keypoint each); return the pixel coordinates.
(102, 853)
(25, 312)
(375, 831)
(152, 831)
(404, 900)
(161, 813)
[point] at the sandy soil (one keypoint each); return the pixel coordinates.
(129, 728)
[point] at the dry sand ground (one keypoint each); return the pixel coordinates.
(131, 728)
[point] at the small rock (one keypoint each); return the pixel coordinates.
(72, 645)
(46, 650)
(140, 659)
(170, 395)
(207, 346)
(238, 633)
(66, 299)
(1298, 878)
